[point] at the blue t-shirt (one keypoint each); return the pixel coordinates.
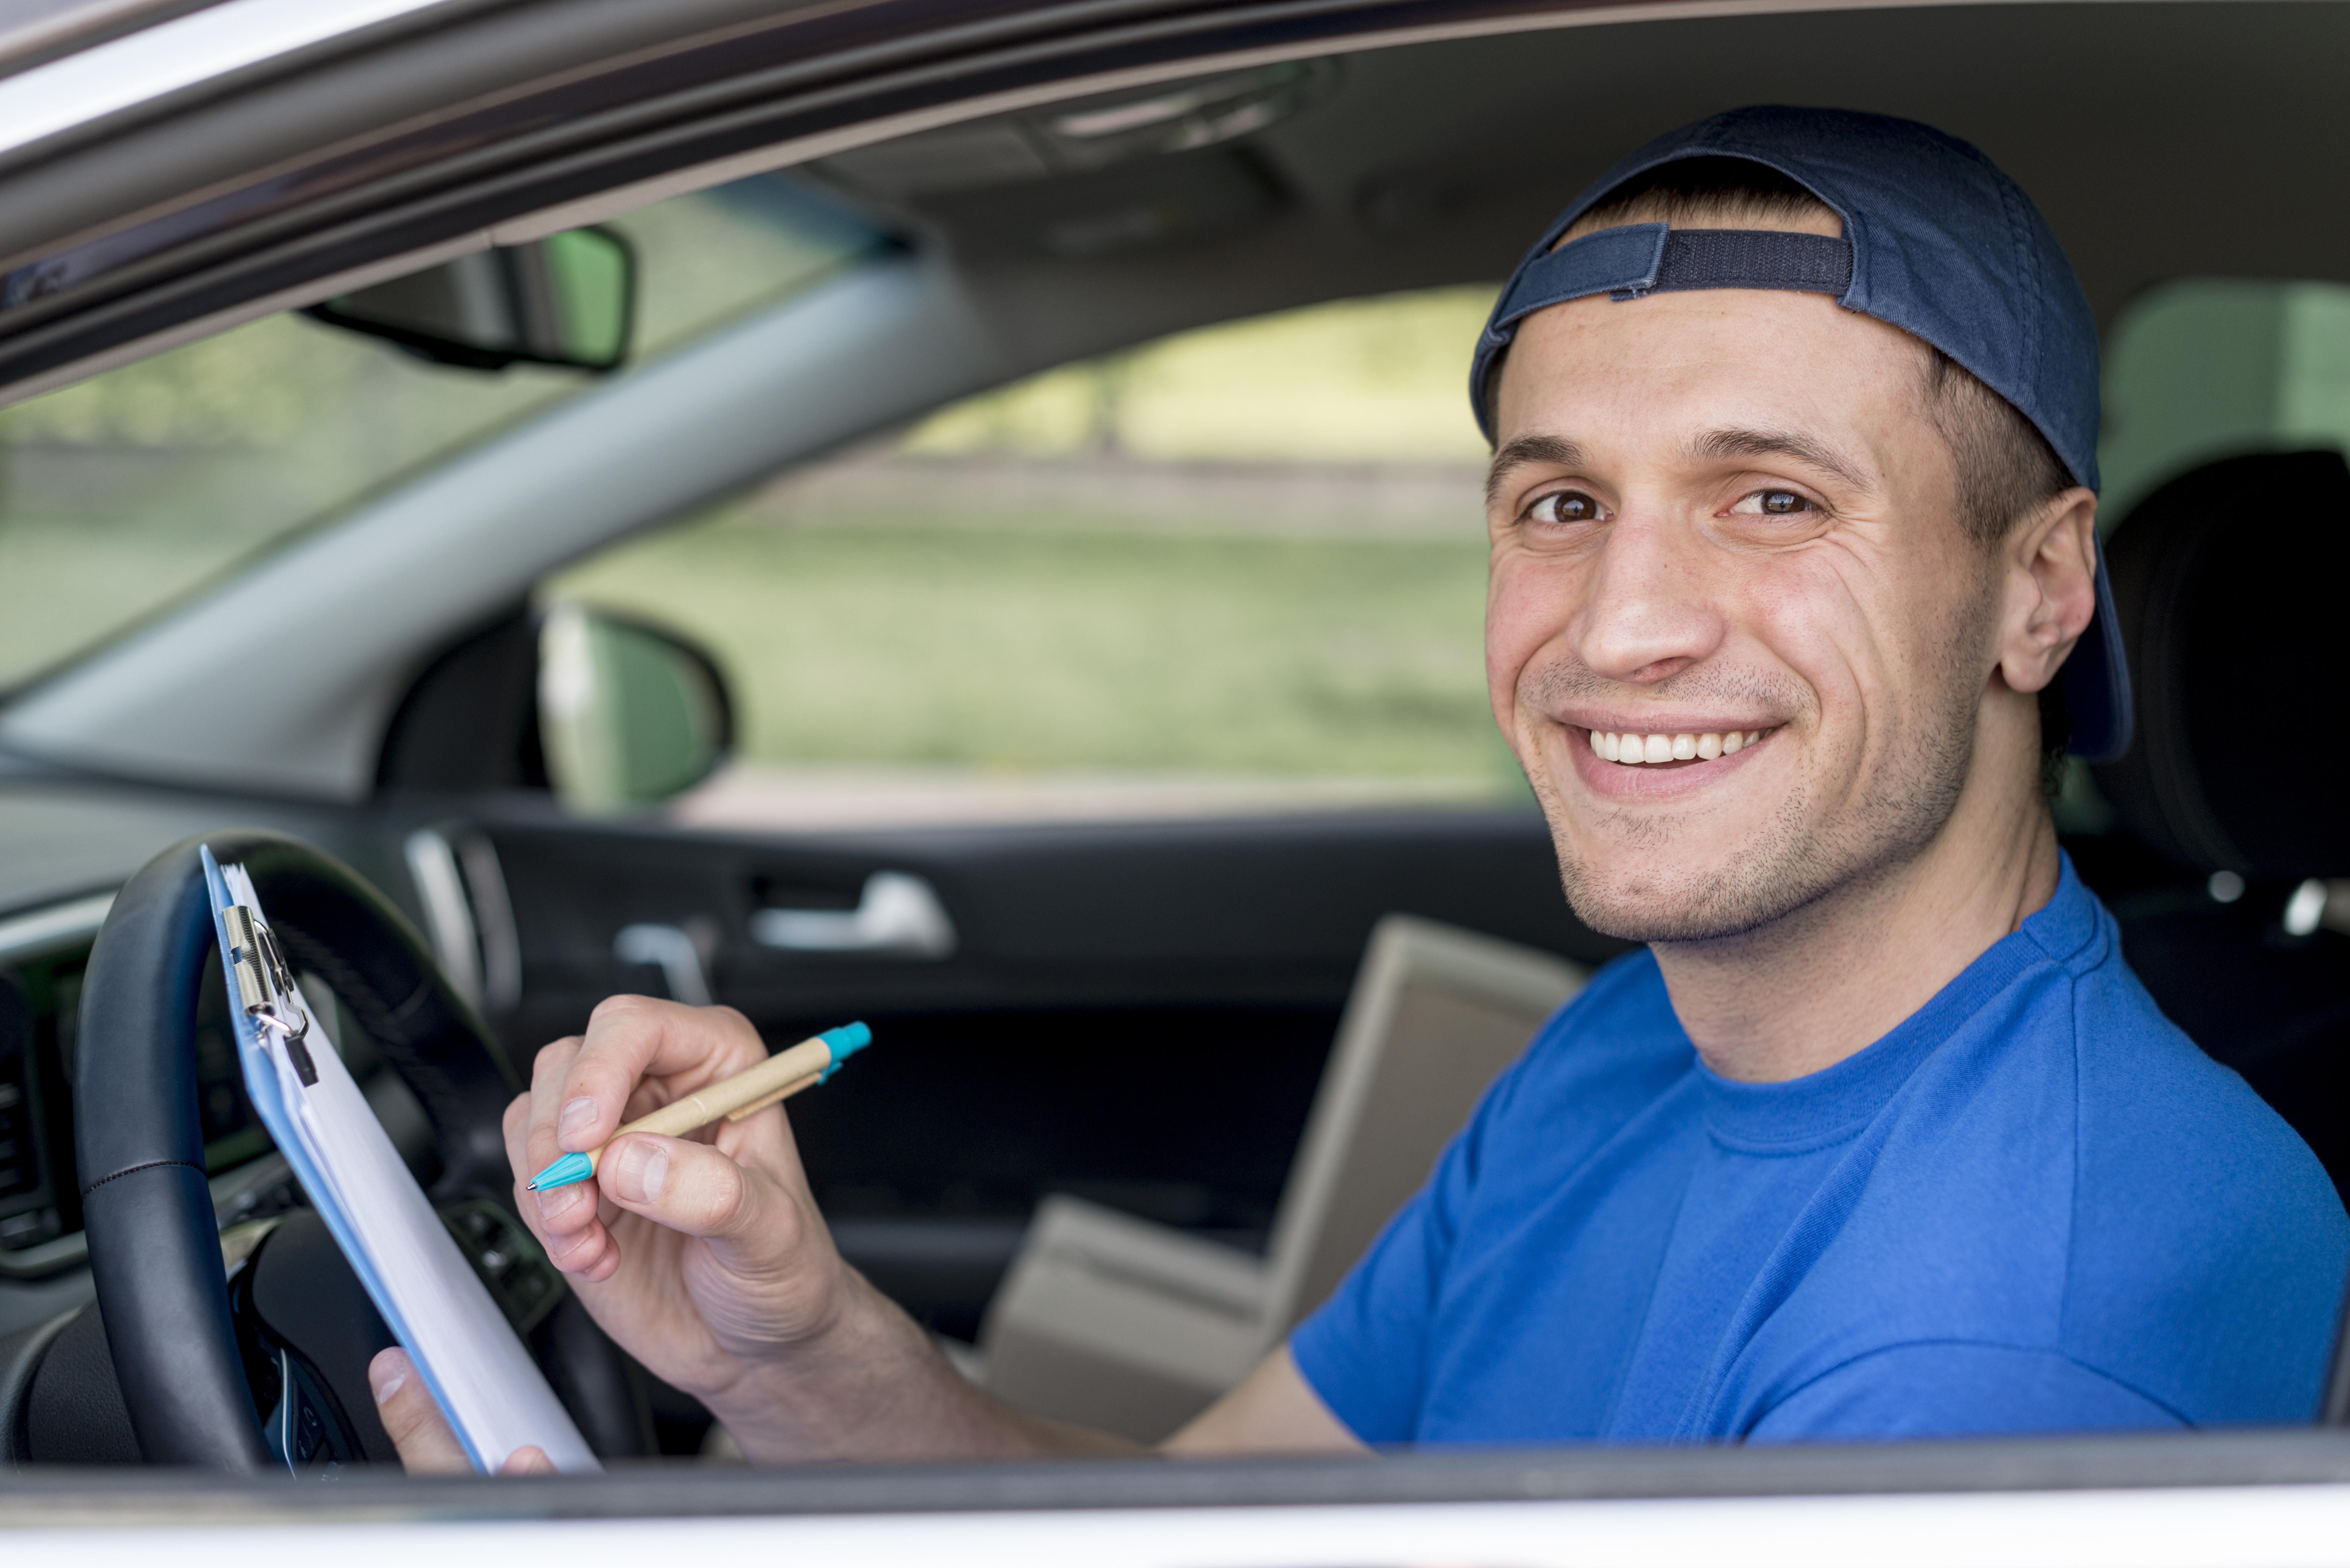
(2034, 1205)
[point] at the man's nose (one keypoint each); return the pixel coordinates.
(1651, 611)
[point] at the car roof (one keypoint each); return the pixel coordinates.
(377, 135)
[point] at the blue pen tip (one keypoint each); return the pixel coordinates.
(569, 1168)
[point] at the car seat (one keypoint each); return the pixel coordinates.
(2230, 582)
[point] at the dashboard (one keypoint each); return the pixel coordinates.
(43, 958)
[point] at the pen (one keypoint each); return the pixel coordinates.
(779, 1077)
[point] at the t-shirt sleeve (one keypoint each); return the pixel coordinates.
(1957, 1390)
(1366, 1351)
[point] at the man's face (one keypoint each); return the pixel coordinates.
(1723, 513)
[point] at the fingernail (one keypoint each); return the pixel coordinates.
(644, 1167)
(557, 1202)
(577, 1117)
(386, 1372)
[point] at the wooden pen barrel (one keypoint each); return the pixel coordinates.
(782, 1075)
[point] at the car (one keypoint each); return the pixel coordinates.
(454, 448)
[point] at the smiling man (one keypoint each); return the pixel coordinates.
(1794, 545)
(1793, 549)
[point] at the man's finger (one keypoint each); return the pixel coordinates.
(427, 1446)
(562, 1218)
(629, 1038)
(548, 1070)
(530, 1459)
(693, 1188)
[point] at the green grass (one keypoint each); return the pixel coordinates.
(894, 644)
(1377, 380)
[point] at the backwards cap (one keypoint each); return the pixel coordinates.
(1937, 242)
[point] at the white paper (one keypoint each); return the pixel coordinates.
(438, 1308)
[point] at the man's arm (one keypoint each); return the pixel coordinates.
(1273, 1410)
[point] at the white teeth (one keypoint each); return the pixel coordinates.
(1632, 750)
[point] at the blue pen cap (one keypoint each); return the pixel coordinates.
(844, 1042)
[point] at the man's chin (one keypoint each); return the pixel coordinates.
(1665, 908)
(1694, 885)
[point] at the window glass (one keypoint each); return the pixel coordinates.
(123, 493)
(2205, 368)
(2200, 369)
(1240, 569)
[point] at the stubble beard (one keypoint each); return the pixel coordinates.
(1806, 853)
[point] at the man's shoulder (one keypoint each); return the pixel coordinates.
(2196, 1202)
(2155, 1112)
(2152, 1216)
(2136, 1129)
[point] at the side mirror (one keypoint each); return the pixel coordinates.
(569, 299)
(628, 714)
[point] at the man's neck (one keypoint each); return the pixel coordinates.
(1811, 989)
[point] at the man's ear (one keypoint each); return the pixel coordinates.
(2051, 567)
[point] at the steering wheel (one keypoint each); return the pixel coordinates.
(154, 1246)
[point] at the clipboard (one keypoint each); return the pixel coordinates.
(437, 1307)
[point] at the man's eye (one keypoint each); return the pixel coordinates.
(1566, 506)
(1775, 504)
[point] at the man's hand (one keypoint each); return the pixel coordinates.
(704, 1256)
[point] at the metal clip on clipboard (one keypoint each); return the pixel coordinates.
(264, 987)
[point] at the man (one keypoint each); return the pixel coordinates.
(1792, 524)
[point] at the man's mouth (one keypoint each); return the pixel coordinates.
(1658, 751)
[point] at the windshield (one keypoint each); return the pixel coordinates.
(121, 493)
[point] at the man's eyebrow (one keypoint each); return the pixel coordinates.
(1717, 446)
(1552, 451)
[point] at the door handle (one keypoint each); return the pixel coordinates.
(674, 952)
(898, 914)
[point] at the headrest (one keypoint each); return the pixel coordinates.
(2232, 581)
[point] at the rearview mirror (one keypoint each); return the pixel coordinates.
(628, 714)
(569, 299)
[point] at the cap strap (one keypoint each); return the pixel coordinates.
(1639, 259)
(1753, 258)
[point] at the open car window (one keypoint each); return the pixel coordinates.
(1236, 570)
(121, 493)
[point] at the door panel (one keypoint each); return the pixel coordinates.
(1136, 1013)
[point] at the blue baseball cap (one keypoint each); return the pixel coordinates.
(1936, 241)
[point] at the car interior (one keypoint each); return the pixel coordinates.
(1031, 1162)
